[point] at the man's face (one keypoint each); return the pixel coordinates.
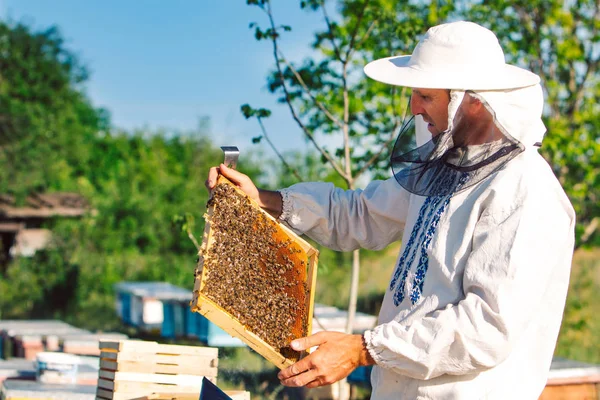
(432, 104)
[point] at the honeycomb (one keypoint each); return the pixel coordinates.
(256, 270)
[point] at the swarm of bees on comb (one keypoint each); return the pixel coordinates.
(255, 271)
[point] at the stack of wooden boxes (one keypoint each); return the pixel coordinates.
(133, 369)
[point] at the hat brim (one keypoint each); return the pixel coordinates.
(397, 71)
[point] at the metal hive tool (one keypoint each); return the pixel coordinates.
(231, 154)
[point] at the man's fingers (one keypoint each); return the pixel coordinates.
(309, 341)
(229, 173)
(211, 181)
(295, 369)
(302, 379)
(234, 176)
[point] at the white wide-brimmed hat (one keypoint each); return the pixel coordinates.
(457, 55)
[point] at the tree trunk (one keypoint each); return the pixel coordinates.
(344, 389)
(353, 290)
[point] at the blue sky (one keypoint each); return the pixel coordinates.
(167, 64)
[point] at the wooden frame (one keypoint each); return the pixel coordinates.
(234, 394)
(131, 368)
(219, 316)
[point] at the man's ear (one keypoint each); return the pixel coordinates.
(475, 102)
(474, 106)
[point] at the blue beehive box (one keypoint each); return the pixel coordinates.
(140, 304)
(361, 376)
(180, 321)
(137, 305)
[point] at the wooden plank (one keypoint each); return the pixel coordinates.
(219, 316)
(145, 387)
(103, 394)
(587, 391)
(168, 396)
(311, 282)
(207, 241)
(184, 380)
(574, 380)
(183, 360)
(234, 394)
(238, 394)
(139, 346)
(149, 368)
(106, 385)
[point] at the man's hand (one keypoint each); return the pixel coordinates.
(267, 199)
(237, 178)
(337, 355)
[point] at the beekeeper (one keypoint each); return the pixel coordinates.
(475, 301)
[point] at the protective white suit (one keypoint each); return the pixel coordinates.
(475, 303)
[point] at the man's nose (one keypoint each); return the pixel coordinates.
(416, 108)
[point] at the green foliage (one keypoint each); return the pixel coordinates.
(580, 330)
(40, 287)
(558, 41)
(137, 184)
(250, 112)
(137, 187)
(45, 118)
(327, 93)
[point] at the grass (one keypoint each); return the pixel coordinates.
(333, 277)
(579, 338)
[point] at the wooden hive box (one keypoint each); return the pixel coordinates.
(255, 277)
(233, 394)
(130, 369)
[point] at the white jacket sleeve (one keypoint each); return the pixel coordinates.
(520, 259)
(346, 220)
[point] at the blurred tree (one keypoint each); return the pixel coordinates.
(45, 117)
(558, 40)
(141, 182)
(328, 95)
(52, 139)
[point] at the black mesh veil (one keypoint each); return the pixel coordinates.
(474, 147)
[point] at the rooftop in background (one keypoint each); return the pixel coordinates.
(156, 290)
(45, 205)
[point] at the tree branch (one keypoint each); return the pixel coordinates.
(590, 229)
(355, 32)
(330, 31)
(392, 137)
(345, 129)
(193, 239)
(266, 136)
(366, 36)
(308, 134)
(592, 65)
(320, 105)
